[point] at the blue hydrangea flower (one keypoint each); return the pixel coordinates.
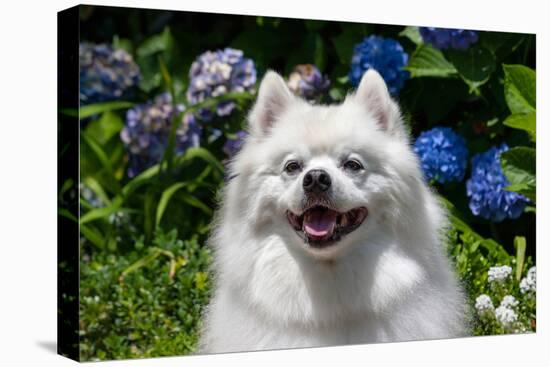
(307, 81)
(443, 154)
(147, 130)
(443, 38)
(105, 73)
(215, 73)
(386, 56)
(486, 188)
(232, 146)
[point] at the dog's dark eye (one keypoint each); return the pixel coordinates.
(352, 165)
(292, 167)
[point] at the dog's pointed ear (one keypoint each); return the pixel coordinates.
(374, 95)
(273, 98)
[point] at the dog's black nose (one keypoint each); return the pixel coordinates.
(316, 180)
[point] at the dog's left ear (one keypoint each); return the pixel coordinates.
(273, 99)
(373, 94)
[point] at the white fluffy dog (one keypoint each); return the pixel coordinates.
(327, 233)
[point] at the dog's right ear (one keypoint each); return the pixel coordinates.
(273, 98)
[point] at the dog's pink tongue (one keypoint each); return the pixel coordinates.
(320, 223)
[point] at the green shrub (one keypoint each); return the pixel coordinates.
(143, 303)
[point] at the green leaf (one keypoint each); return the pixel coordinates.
(147, 58)
(500, 43)
(157, 43)
(104, 213)
(103, 159)
(148, 214)
(345, 42)
(320, 53)
(93, 235)
(427, 61)
(523, 121)
(123, 43)
(203, 154)
(96, 109)
(200, 280)
(475, 65)
(193, 201)
(521, 245)
(413, 34)
(67, 214)
(519, 167)
(96, 187)
(520, 88)
(165, 199)
(103, 129)
(459, 223)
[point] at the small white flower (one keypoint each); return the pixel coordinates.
(484, 306)
(506, 317)
(499, 273)
(509, 302)
(529, 283)
(532, 273)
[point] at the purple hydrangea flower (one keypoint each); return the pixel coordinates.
(443, 154)
(215, 73)
(386, 56)
(232, 146)
(105, 73)
(147, 131)
(307, 81)
(443, 38)
(486, 188)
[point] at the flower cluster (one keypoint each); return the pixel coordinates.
(513, 315)
(385, 56)
(529, 283)
(486, 188)
(232, 146)
(506, 317)
(443, 38)
(147, 131)
(509, 301)
(307, 81)
(499, 274)
(443, 154)
(215, 73)
(484, 306)
(105, 73)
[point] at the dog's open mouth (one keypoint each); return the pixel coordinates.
(321, 226)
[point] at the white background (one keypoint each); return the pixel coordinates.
(28, 181)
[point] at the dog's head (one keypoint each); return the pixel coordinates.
(324, 178)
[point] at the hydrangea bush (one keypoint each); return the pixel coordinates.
(215, 73)
(147, 130)
(443, 38)
(486, 188)
(307, 81)
(151, 161)
(443, 154)
(386, 56)
(105, 73)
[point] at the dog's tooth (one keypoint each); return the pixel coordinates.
(344, 221)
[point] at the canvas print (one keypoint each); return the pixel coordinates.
(234, 183)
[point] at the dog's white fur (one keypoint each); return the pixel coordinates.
(389, 280)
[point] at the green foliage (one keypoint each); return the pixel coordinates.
(427, 61)
(519, 88)
(519, 163)
(146, 302)
(519, 167)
